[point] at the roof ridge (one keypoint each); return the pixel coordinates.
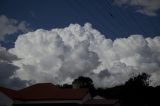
(39, 85)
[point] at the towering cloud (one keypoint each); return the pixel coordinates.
(10, 26)
(147, 7)
(61, 55)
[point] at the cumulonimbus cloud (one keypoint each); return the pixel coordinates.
(146, 7)
(61, 55)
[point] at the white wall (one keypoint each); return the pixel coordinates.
(117, 104)
(5, 100)
(86, 98)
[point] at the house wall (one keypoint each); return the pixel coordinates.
(86, 98)
(5, 100)
(49, 102)
(117, 104)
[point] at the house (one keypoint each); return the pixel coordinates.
(6, 96)
(100, 101)
(49, 94)
(45, 93)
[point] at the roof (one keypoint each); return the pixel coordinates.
(46, 92)
(98, 97)
(100, 100)
(9, 92)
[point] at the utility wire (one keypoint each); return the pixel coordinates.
(91, 14)
(104, 13)
(133, 19)
(119, 14)
(149, 21)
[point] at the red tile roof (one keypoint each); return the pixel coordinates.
(45, 92)
(10, 93)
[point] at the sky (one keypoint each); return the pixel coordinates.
(58, 40)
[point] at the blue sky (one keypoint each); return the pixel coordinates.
(110, 19)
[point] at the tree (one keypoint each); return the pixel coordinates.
(136, 89)
(82, 82)
(138, 81)
(66, 86)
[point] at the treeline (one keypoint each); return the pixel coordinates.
(135, 92)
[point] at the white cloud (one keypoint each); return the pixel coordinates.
(7, 70)
(147, 7)
(10, 26)
(60, 55)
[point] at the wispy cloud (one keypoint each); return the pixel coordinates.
(9, 26)
(146, 7)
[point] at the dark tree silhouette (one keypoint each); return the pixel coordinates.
(84, 82)
(138, 81)
(66, 86)
(136, 91)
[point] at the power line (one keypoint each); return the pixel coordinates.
(132, 17)
(101, 11)
(91, 14)
(151, 23)
(118, 12)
